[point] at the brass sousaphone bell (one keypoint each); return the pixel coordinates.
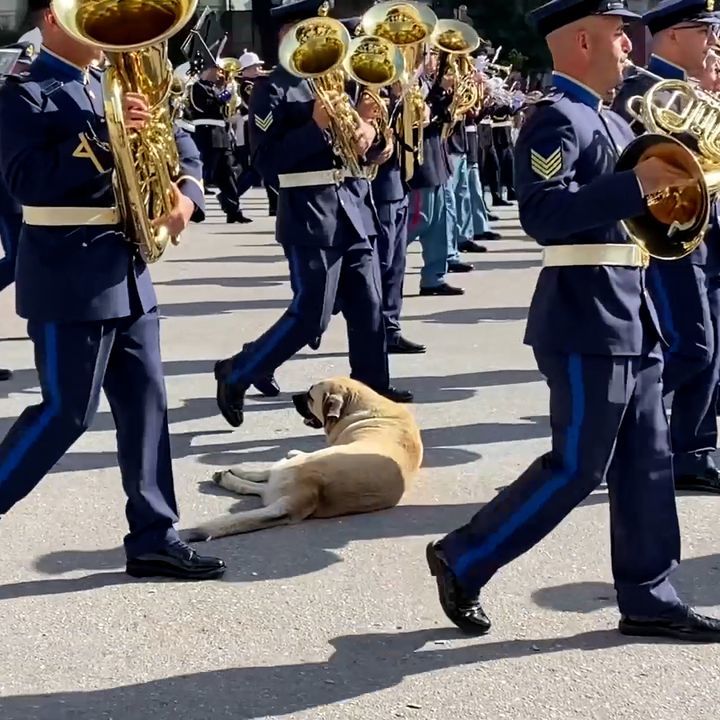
(677, 117)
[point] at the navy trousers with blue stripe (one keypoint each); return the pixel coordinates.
(392, 254)
(322, 278)
(608, 422)
(75, 361)
(679, 290)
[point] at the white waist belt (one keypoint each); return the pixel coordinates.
(501, 123)
(186, 125)
(216, 123)
(471, 128)
(315, 177)
(571, 255)
(58, 216)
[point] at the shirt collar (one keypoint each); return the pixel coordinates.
(61, 68)
(576, 90)
(664, 68)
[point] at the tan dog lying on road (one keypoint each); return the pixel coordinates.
(375, 452)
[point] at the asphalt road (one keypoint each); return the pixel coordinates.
(331, 619)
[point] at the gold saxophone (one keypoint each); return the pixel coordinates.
(314, 49)
(133, 35)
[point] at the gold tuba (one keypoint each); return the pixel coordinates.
(315, 49)
(674, 113)
(408, 25)
(455, 40)
(133, 35)
(374, 63)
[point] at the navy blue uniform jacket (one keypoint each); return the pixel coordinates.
(284, 139)
(568, 194)
(54, 153)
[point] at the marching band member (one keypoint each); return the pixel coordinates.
(428, 213)
(480, 218)
(88, 297)
(683, 33)
(208, 99)
(391, 200)
(459, 219)
(326, 226)
(10, 210)
(596, 339)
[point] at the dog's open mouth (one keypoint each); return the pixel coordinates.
(300, 401)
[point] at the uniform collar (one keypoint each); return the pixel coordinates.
(666, 69)
(62, 69)
(576, 90)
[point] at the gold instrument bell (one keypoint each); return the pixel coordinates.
(134, 37)
(314, 49)
(675, 115)
(374, 63)
(408, 25)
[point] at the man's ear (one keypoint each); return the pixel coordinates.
(332, 408)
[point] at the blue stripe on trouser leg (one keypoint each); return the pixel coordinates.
(315, 274)
(70, 359)
(12, 456)
(539, 498)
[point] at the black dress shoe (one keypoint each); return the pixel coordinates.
(707, 481)
(267, 386)
(5, 374)
(398, 345)
(237, 216)
(442, 289)
(314, 344)
(488, 235)
(230, 396)
(177, 561)
(397, 395)
(499, 202)
(471, 246)
(693, 627)
(492, 218)
(462, 610)
(460, 267)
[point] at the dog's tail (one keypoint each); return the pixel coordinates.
(285, 511)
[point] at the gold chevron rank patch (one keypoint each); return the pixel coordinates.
(264, 123)
(546, 166)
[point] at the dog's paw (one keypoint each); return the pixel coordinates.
(197, 534)
(295, 453)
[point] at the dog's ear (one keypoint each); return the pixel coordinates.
(332, 408)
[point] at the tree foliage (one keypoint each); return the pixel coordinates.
(503, 23)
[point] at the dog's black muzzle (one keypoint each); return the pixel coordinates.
(300, 401)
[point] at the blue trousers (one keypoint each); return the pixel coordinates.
(680, 293)
(608, 423)
(75, 361)
(427, 223)
(322, 278)
(9, 234)
(480, 220)
(458, 218)
(392, 255)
